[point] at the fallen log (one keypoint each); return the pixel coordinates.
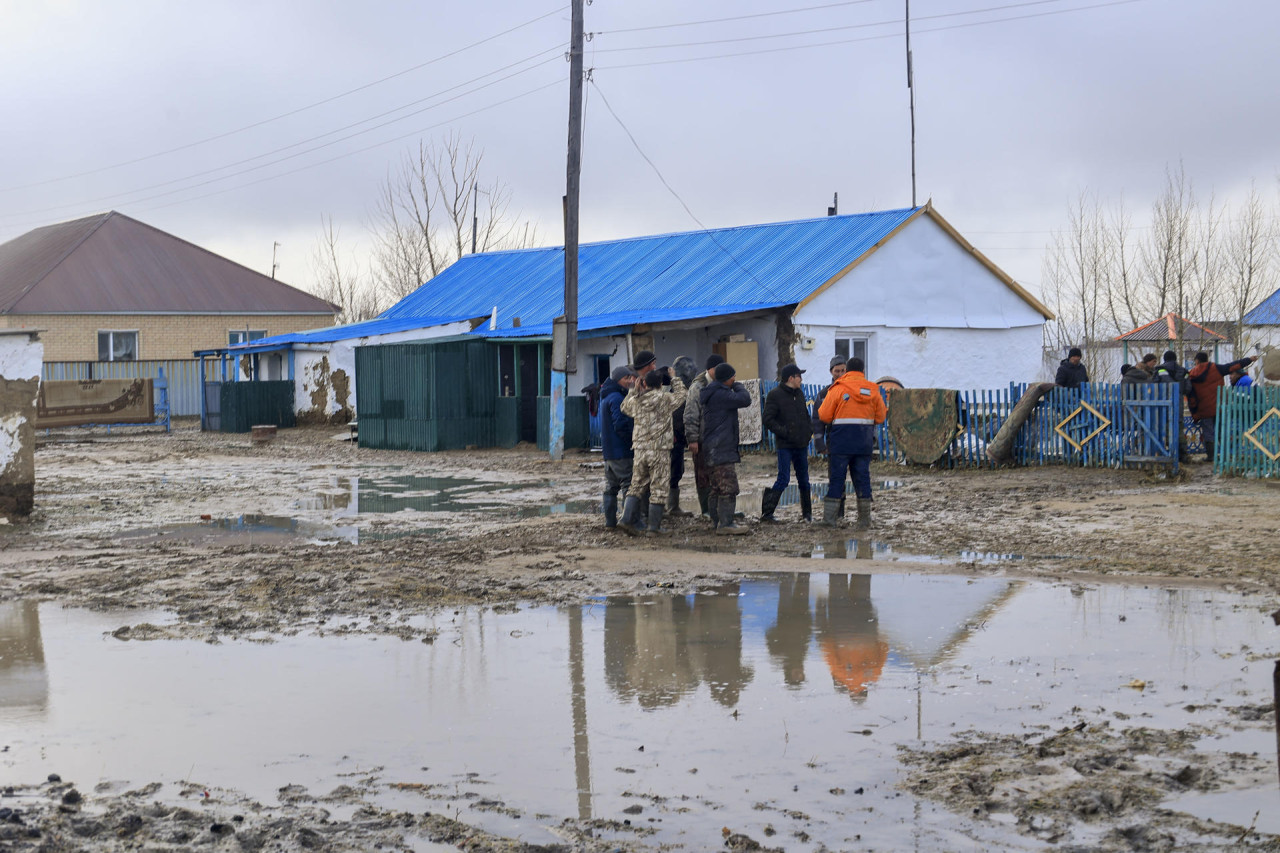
(1000, 449)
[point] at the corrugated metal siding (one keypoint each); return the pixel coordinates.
(577, 429)
(427, 396)
(757, 265)
(183, 376)
(243, 405)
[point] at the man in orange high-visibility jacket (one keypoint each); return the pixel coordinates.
(853, 406)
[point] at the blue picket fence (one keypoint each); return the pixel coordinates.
(1093, 426)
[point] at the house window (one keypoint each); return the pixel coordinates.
(244, 336)
(851, 346)
(117, 346)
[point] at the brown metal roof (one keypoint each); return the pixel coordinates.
(1171, 327)
(111, 263)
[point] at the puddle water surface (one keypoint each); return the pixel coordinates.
(767, 703)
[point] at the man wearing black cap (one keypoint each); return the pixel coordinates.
(644, 362)
(1169, 371)
(693, 433)
(721, 400)
(786, 416)
(1071, 371)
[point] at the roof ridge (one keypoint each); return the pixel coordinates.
(102, 218)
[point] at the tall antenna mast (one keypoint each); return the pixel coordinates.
(912, 92)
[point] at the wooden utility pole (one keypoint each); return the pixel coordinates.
(564, 337)
(911, 91)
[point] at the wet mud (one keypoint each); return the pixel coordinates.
(209, 538)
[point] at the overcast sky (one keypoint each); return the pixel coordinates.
(170, 111)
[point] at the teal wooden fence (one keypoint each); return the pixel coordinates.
(1247, 431)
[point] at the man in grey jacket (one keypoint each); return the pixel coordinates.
(693, 432)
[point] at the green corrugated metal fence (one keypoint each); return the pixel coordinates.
(577, 426)
(1247, 431)
(244, 405)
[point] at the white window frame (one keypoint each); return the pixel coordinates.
(111, 343)
(851, 340)
(245, 336)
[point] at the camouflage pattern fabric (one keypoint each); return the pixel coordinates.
(651, 475)
(724, 481)
(652, 410)
(922, 422)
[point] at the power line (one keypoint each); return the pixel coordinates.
(734, 18)
(313, 149)
(671, 190)
(813, 45)
(288, 114)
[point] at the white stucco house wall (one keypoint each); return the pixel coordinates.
(901, 288)
(21, 356)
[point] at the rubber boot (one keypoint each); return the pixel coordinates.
(673, 504)
(704, 495)
(841, 509)
(610, 506)
(729, 527)
(1208, 452)
(713, 505)
(630, 514)
(831, 511)
(769, 503)
(864, 513)
(806, 505)
(655, 521)
(642, 517)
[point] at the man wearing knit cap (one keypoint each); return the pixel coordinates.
(693, 432)
(1071, 371)
(615, 439)
(852, 407)
(721, 400)
(644, 362)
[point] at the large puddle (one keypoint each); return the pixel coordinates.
(771, 705)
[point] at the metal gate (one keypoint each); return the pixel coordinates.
(1247, 431)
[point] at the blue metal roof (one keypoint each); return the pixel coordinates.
(1266, 314)
(652, 279)
(661, 278)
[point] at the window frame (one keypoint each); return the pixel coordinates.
(111, 344)
(851, 340)
(249, 336)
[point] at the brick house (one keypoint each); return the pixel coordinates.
(111, 288)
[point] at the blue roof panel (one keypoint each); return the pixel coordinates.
(1266, 314)
(653, 279)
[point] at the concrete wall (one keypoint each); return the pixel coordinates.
(20, 359)
(74, 337)
(324, 375)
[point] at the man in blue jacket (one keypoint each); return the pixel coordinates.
(615, 438)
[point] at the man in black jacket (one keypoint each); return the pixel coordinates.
(1170, 371)
(1071, 372)
(615, 437)
(721, 400)
(786, 416)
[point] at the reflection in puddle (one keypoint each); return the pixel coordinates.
(248, 529)
(791, 494)
(873, 549)
(789, 688)
(355, 495)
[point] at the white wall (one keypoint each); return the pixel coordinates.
(21, 356)
(20, 360)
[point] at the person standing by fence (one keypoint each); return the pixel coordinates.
(852, 407)
(1071, 371)
(652, 408)
(1206, 378)
(721, 400)
(787, 417)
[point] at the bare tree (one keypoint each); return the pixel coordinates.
(1077, 274)
(433, 209)
(1250, 263)
(339, 281)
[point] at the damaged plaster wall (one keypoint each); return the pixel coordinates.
(325, 376)
(21, 354)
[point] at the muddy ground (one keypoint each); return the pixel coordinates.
(112, 529)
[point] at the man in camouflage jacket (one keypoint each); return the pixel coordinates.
(693, 433)
(652, 406)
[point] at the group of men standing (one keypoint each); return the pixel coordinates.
(1199, 385)
(650, 414)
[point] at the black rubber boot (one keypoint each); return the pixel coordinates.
(655, 521)
(806, 505)
(769, 503)
(831, 511)
(642, 517)
(713, 503)
(864, 513)
(673, 504)
(630, 515)
(610, 506)
(728, 527)
(704, 495)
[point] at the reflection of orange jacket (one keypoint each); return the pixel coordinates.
(856, 662)
(853, 396)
